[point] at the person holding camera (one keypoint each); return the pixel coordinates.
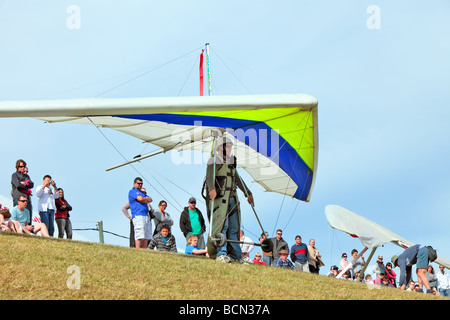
(46, 204)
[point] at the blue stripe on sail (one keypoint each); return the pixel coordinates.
(287, 158)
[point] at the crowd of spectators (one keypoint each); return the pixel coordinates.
(53, 207)
(385, 275)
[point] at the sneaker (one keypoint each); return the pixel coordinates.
(223, 258)
(241, 261)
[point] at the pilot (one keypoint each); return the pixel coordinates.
(226, 216)
(418, 255)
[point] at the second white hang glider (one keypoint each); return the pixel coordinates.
(372, 235)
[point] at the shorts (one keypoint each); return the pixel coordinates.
(142, 227)
(422, 258)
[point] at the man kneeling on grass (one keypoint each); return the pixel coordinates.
(20, 217)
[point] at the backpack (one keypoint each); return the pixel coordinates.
(432, 255)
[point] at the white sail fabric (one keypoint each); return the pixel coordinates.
(372, 235)
(119, 114)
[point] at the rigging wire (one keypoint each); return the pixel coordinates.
(293, 166)
(190, 72)
(295, 209)
(269, 81)
(139, 173)
(245, 87)
(180, 208)
(176, 185)
(116, 76)
(147, 72)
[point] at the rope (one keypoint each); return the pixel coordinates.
(248, 91)
(190, 72)
(147, 72)
(269, 81)
(293, 166)
(138, 172)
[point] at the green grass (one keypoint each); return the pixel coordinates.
(36, 268)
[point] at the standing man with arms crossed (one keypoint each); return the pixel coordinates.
(139, 205)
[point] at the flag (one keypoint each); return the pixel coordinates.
(37, 220)
(201, 73)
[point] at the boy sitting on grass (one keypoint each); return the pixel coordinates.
(192, 247)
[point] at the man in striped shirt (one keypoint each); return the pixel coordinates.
(300, 255)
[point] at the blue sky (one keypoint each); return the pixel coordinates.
(383, 105)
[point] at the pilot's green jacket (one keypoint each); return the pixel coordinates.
(226, 182)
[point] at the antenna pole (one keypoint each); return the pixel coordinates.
(208, 70)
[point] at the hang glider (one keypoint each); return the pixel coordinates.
(276, 136)
(371, 234)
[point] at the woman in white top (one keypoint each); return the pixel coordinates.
(46, 205)
(344, 261)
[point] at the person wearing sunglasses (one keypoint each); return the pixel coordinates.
(20, 216)
(344, 262)
(139, 204)
(21, 184)
(278, 244)
(192, 222)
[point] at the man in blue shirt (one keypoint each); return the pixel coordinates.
(20, 216)
(139, 205)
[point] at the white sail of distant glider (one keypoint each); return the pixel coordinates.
(372, 235)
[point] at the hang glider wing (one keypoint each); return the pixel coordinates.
(276, 136)
(372, 235)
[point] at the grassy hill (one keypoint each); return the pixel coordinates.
(38, 268)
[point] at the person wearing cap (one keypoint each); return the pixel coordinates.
(283, 261)
(221, 182)
(381, 274)
(418, 255)
(192, 222)
(333, 271)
